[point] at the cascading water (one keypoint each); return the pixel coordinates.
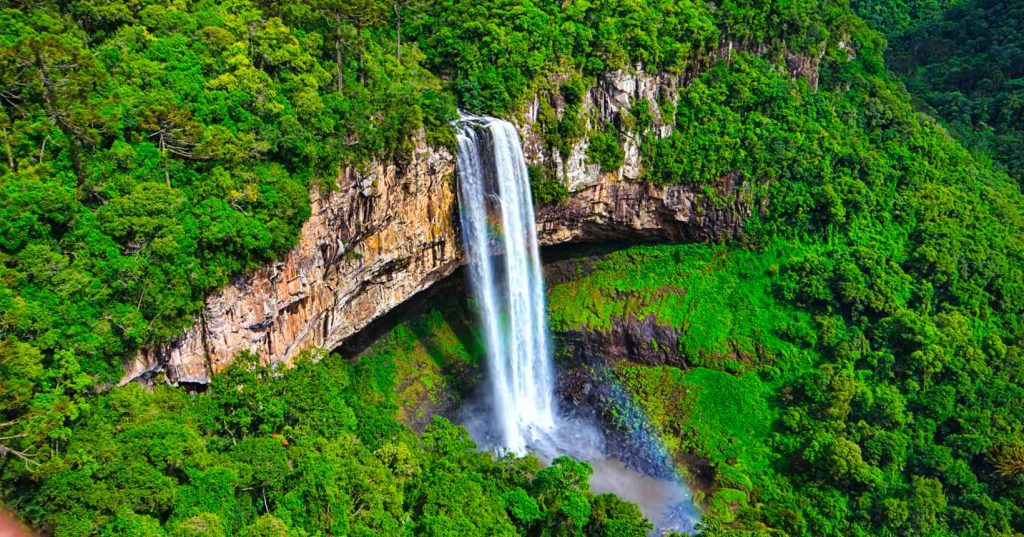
(505, 280)
(497, 218)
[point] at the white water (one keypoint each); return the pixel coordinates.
(497, 218)
(506, 282)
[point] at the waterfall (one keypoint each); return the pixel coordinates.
(505, 279)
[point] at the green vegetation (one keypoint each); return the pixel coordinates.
(152, 151)
(894, 396)
(968, 69)
(812, 414)
(427, 361)
(855, 367)
(310, 450)
(907, 253)
(895, 17)
(523, 41)
(605, 150)
(719, 299)
(544, 187)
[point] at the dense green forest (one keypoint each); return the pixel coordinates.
(895, 17)
(854, 367)
(311, 450)
(968, 67)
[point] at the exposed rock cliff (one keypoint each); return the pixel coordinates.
(387, 233)
(383, 236)
(616, 210)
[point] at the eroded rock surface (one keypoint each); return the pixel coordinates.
(383, 236)
(388, 233)
(617, 210)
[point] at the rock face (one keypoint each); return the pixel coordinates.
(641, 341)
(388, 233)
(383, 236)
(615, 210)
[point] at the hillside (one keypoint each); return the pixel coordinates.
(968, 68)
(852, 363)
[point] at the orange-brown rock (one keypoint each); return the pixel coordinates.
(389, 233)
(381, 237)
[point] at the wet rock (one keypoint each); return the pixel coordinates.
(641, 341)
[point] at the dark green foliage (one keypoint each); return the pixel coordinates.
(968, 67)
(496, 51)
(545, 187)
(895, 17)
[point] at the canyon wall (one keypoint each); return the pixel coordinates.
(389, 232)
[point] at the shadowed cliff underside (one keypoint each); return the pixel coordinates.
(389, 232)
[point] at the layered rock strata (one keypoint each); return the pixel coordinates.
(384, 235)
(389, 232)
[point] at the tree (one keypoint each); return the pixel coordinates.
(399, 7)
(21, 368)
(266, 464)
(349, 17)
(927, 504)
(55, 72)
(1008, 459)
(266, 526)
(612, 517)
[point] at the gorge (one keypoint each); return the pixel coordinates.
(247, 286)
(390, 232)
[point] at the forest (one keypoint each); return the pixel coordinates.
(854, 366)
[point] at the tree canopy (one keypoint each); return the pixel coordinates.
(151, 151)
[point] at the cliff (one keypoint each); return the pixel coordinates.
(390, 232)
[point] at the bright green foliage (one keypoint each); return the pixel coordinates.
(495, 50)
(325, 456)
(605, 151)
(898, 398)
(150, 152)
(719, 299)
(860, 354)
(895, 408)
(723, 419)
(724, 503)
(545, 188)
(612, 517)
(426, 361)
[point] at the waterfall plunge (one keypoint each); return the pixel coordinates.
(497, 218)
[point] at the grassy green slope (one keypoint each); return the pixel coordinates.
(717, 408)
(719, 299)
(427, 361)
